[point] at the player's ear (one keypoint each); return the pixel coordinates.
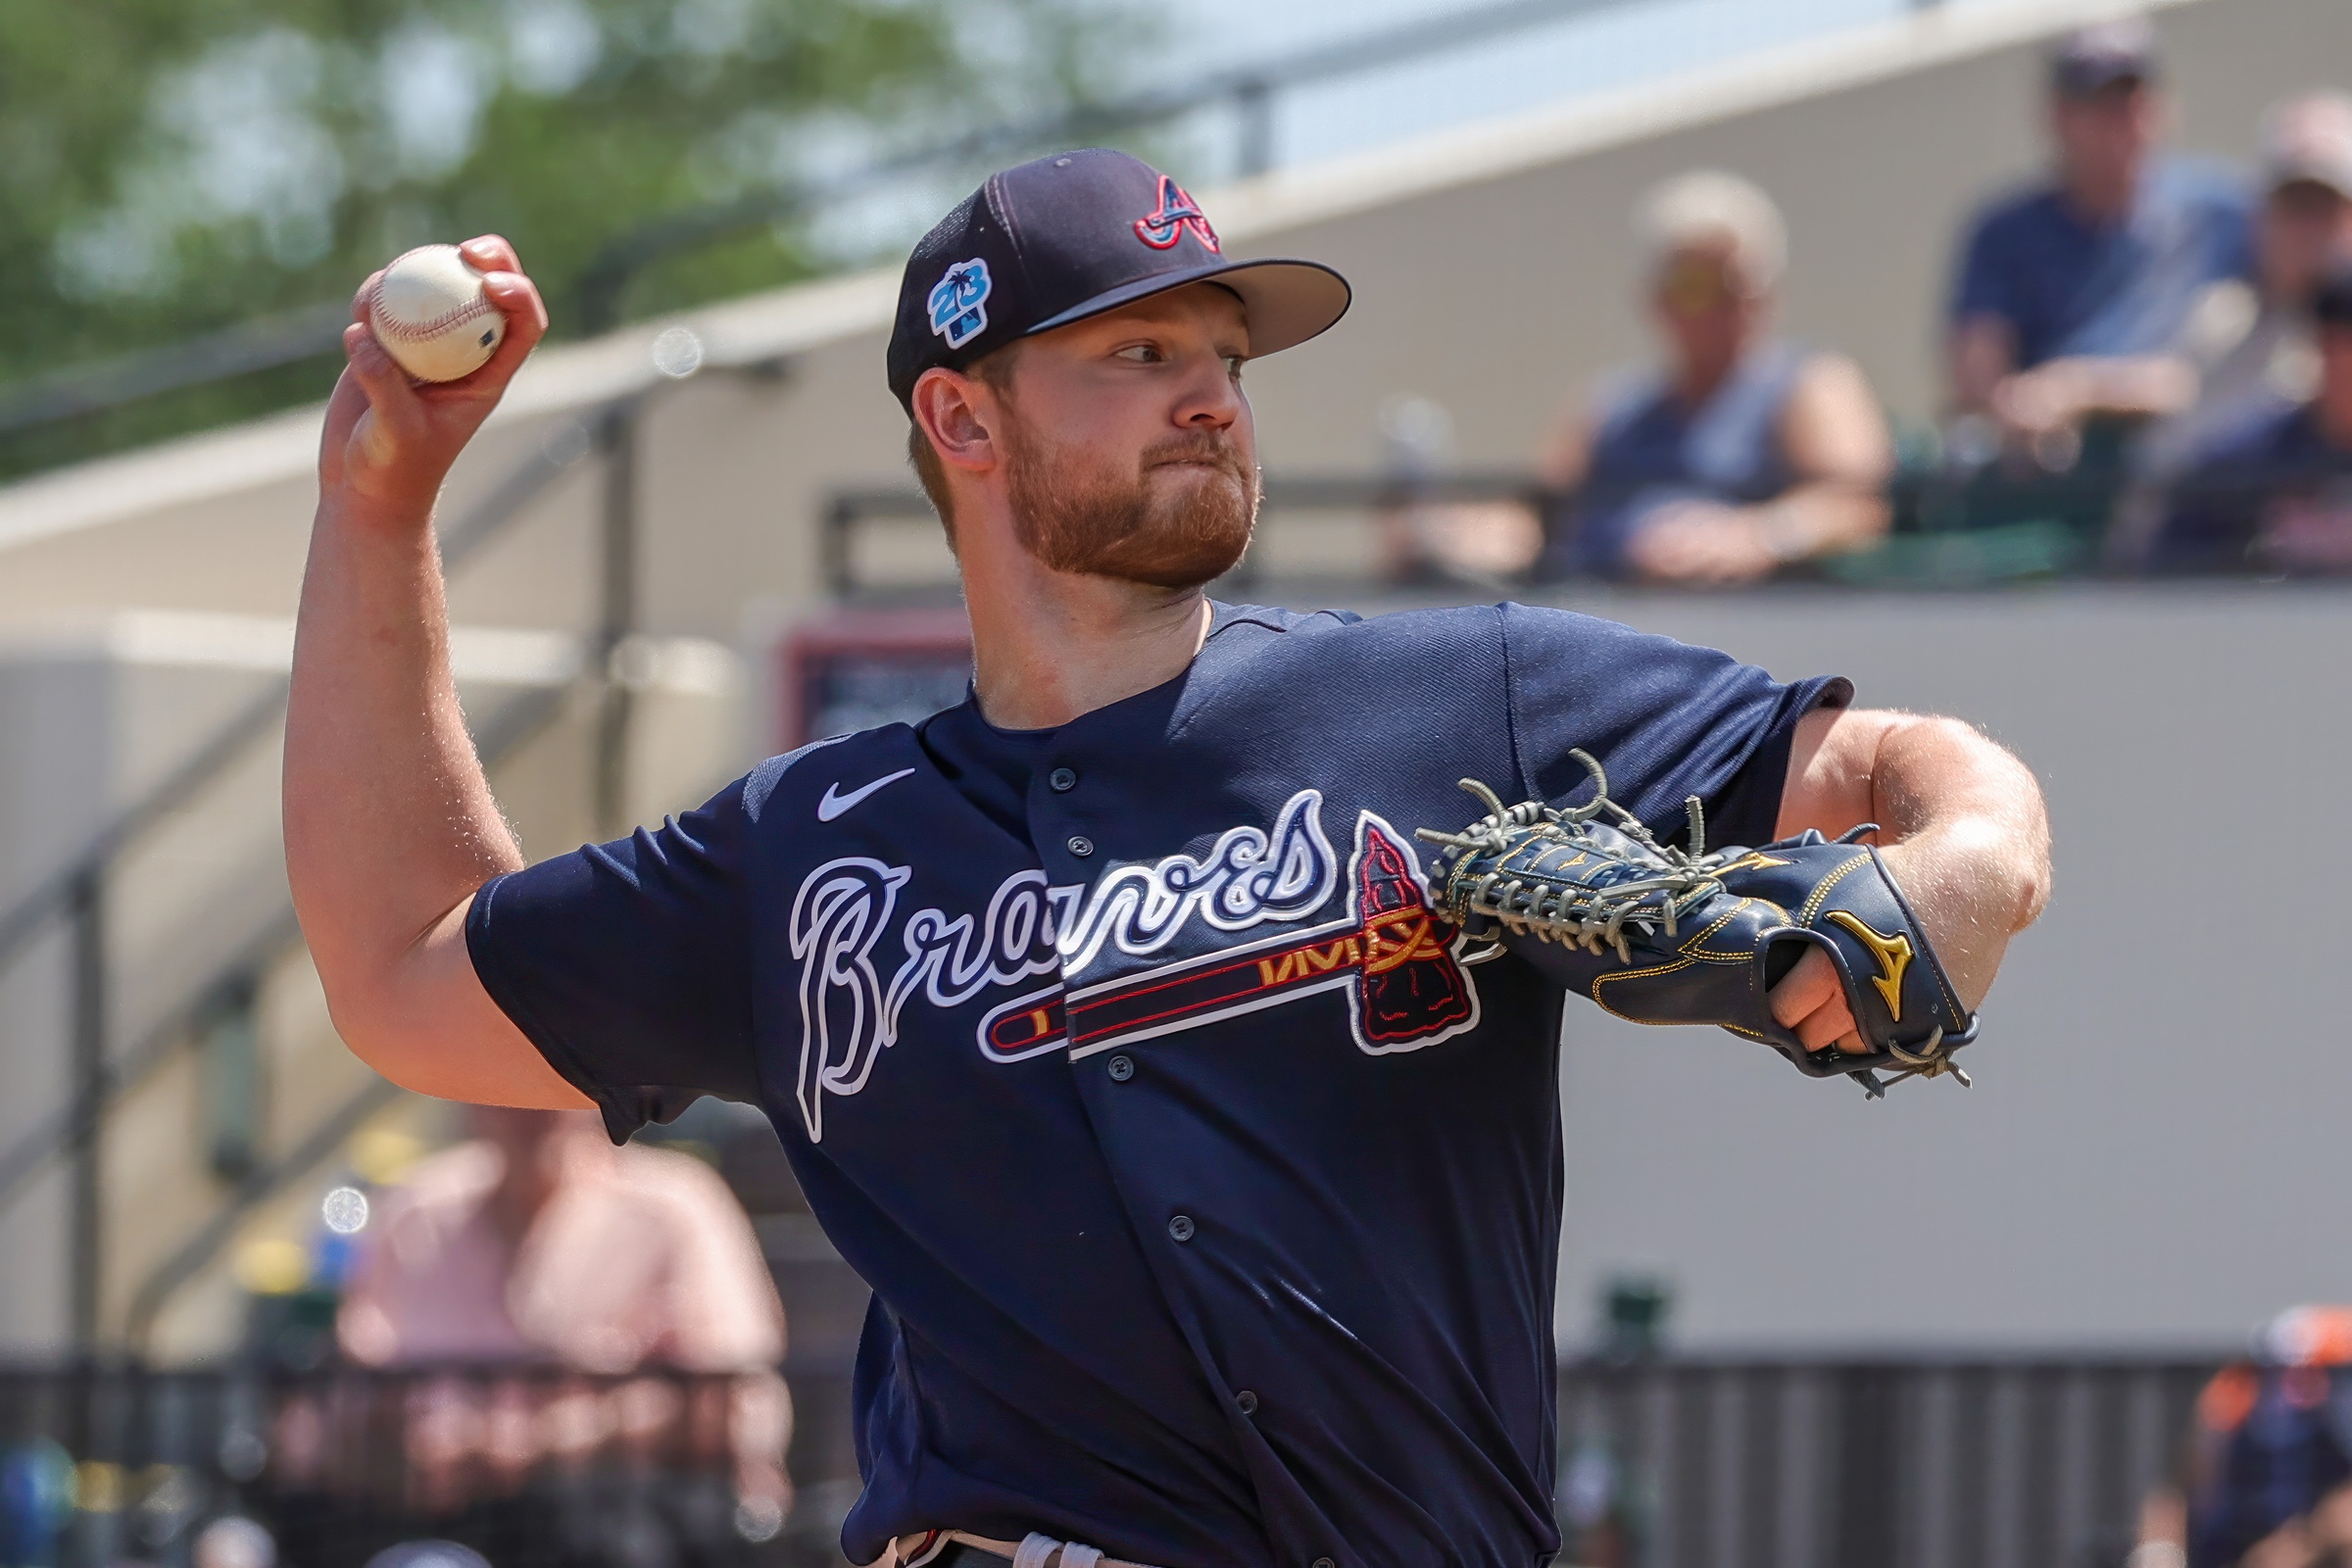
(959, 415)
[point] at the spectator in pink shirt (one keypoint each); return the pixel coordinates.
(539, 1243)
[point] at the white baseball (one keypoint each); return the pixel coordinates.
(428, 311)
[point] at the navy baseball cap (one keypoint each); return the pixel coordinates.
(2090, 60)
(1071, 235)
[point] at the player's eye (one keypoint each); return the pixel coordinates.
(1139, 354)
(1234, 364)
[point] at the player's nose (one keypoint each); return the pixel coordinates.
(1211, 399)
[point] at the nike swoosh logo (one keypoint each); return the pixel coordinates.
(832, 806)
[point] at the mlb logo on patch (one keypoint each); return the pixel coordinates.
(959, 303)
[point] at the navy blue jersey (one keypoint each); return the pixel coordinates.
(1209, 1190)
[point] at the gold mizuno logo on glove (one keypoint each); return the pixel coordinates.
(1752, 860)
(1893, 954)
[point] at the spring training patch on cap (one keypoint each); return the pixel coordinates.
(959, 303)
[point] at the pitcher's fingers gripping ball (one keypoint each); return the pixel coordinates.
(1662, 935)
(430, 312)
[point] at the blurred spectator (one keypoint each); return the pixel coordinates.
(2262, 359)
(1741, 453)
(2083, 297)
(2163, 1534)
(2276, 496)
(1479, 543)
(233, 1541)
(2270, 1486)
(36, 1503)
(541, 1243)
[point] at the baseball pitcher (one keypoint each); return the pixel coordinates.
(1194, 1119)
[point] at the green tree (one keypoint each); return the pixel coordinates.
(173, 167)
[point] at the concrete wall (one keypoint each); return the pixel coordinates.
(2148, 1156)
(1494, 273)
(2138, 1162)
(106, 710)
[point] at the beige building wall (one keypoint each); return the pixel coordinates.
(1494, 273)
(2146, 1159)
(99, 714)
(1494, 276)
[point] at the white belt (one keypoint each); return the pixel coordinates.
(1035, 1550)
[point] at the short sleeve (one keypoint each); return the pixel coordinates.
(1983, 285)
(2234, 249)
(1666, 719)
(628, 964)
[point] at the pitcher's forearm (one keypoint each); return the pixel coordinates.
(1940, 783)
(1963, 831)
(390, 827)
(1969, 841)
(389, 821)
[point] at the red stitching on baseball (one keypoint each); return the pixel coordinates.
(470, 311)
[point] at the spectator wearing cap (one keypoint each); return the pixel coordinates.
(2074, 298)
(2255, 354)
(1740, 453)
(2276, 496)
(2271, 1459)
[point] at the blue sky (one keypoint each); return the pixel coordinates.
(1604, 44)
(1610, 45)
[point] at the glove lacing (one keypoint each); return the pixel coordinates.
(1576, 914)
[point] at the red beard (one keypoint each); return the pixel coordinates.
(1084, 518)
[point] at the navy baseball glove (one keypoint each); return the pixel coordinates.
(1662, 935)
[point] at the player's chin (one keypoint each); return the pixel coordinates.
(1186, 549)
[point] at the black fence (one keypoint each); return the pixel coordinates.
(532, 1468)
(2016, 1464)
(1664, 1464)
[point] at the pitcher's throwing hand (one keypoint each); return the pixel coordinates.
(390, 439)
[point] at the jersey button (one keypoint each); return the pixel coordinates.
(1246, 1402)
(1325, 1562)
(1064, 780)
(1123, 1068)
(1181, 1227)
(1081, 845)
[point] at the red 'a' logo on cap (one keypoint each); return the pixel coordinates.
(1177, 213)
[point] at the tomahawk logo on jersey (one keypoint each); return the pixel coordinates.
(1108, 944)
(1402, 973)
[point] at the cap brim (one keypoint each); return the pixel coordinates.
(2337, 177)
(1288, 301)
(2089, 79)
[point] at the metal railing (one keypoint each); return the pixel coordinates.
(1950, 529)
(536, 1467)
(2028, 1463)
(1784, 1463)
(75, 896)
